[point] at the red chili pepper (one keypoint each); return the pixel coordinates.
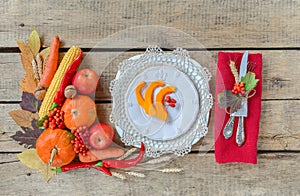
(103, 169)
(75, 165)
(105, 164)
(67, 80)
(125, 163)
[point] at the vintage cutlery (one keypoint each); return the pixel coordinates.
(241, 113)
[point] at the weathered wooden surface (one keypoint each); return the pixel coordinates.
(277, 131)
(270, 27)
(280, 73)
(275, 174)
(233, 24)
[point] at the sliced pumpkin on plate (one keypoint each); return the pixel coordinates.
(158, 108)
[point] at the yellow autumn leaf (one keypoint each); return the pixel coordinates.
(34, 42)
(31, 159)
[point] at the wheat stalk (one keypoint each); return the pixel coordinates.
(171, 170)
(39, 65)
(158, 160)
(234, 70)
(127, 154)
(35, 70)
(118, 175)
(136, 174)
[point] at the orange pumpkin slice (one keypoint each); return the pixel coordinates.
(149, 95)
(158, 109)
(147, 102)
(161, 111)
(139, 97)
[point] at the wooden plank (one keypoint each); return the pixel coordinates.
(280, 72)
(215, 24)
(275, 174)
(278, 127)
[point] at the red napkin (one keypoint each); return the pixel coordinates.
(226, 150)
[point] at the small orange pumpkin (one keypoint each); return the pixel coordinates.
(79, 111)
(55, 144)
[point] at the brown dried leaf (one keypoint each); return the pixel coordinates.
(34, 42)
(31, 159)
(25, 50)
(23, 118)
(28, 84)
(27, 65)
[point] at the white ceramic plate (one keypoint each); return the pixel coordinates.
(186, 123)
(180, 118)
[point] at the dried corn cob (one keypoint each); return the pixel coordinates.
(69, 57)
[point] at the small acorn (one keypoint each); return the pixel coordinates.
(40, 93)
(70, 91)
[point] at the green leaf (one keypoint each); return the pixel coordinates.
(249, 81)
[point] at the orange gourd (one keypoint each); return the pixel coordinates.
(55, 144)
(79, 111)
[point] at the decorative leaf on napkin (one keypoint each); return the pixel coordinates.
(31, 159)
(29, 136)
(250, 81)
(228, 99)
(34, 42)
(23, 118)
(29, 102)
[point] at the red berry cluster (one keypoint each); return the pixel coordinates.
(238, 88)
(171, 102)
(55, 119)
(80, 144)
